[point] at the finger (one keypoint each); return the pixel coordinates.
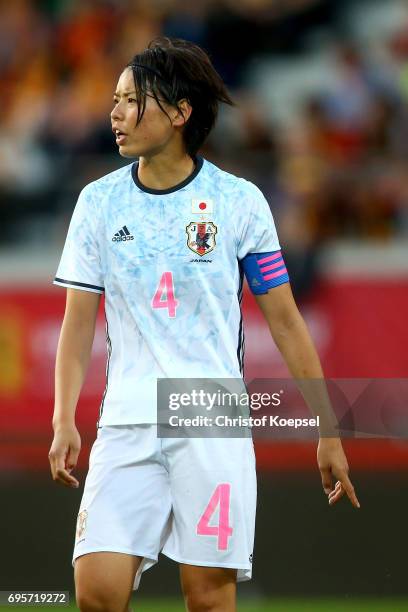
(72, 458)
(326, 480)
(349, 489)
(66, 479)
(52, 456)
(336, 495)
(336, 489)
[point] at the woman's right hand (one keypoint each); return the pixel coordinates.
(64, 453)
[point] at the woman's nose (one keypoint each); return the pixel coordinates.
(116, 112)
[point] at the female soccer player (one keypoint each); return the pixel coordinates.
(167, 240)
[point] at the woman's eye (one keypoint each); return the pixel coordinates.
(131, 100)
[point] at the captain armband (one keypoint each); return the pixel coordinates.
(264, 271)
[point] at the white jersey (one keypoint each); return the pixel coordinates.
(168, 262)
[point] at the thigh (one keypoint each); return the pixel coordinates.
(104, 580)
(213, 492)
(208, 588)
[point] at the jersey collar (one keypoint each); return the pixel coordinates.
(199, 164)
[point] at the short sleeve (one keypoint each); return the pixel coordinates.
(257, 232)
(80, 264)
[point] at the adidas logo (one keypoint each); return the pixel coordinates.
(122, 235)
(255, 282)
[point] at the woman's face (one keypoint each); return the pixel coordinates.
(155, 130)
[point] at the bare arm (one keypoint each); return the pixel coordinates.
(73, 356)
(293, 340)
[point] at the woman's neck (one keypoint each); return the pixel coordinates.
(164, 172)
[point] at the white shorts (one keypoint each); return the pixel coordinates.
(193, 499)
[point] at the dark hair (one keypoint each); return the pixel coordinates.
(172, 69)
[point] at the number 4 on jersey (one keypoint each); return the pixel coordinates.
(166, 289)
(221, 498)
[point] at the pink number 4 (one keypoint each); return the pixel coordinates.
(221, 498)
(166, 289)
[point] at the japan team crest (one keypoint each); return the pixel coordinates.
(201, 237)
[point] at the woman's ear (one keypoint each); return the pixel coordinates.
(184, 110)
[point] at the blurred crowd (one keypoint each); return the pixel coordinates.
(337, 169)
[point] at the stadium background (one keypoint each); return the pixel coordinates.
(321, 127)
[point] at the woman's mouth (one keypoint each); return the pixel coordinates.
(120, 137)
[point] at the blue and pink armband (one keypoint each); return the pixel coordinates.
(264, 271)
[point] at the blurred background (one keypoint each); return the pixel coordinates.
(321, 126)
